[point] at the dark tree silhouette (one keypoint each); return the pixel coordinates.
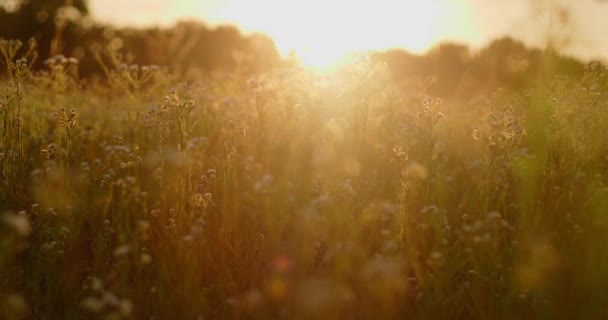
(48, 21)
(191, 48)
(458, 72)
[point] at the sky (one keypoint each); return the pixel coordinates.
(322, 30)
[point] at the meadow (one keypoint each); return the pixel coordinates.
(291, 194)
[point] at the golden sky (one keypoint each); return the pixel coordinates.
(322, 30)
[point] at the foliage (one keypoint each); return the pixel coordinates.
(288, 194)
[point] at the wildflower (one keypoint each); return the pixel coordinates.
(417, 170)
(486, 237)
(18, 223)
(476, 134)
(122, 250)
(155, 212)
(264, 184)
(430, 209)
(16, 305)
(110, 299)
(400, 153)
(145, 258)
(493, 215)
(252, 299)
(126, 307)
(196, 143)
(92, 304)
(96, 284)
(436, 255)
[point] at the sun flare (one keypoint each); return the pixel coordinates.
(295, 159)
(321, 33)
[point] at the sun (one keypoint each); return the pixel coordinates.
(319, 60)
(321, 33)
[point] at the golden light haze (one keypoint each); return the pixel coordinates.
(320, 32)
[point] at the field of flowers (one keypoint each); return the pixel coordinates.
(297, 195)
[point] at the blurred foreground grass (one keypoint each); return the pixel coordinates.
(298, 196)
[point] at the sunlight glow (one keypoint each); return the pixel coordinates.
(321, 32)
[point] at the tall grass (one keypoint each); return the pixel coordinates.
(294, 195)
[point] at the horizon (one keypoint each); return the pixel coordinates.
(474, 23)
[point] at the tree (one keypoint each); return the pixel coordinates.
(45, 20)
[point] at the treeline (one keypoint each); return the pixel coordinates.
(191, 49)
(187, 48)
(453, 70)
